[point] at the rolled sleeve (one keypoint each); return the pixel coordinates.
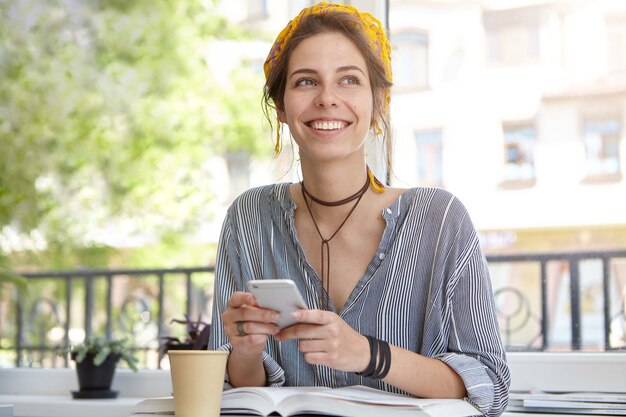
(475, 350)
(475, 376)
(275, 374)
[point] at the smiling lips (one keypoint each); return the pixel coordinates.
(327, 125)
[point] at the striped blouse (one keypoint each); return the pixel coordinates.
(427, 289)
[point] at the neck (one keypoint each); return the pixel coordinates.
(332, 182)
(337, 203)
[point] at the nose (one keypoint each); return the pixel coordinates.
(327, 97)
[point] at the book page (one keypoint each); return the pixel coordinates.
(158, 405)
(369, 395)
(361, 401)
(260, 400)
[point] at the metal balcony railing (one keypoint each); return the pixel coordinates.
(577, 300)
(64, 307)
(545, 302)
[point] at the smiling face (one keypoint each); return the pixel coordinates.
(328, 101)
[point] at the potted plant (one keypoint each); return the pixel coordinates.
(196, 336)
(96, 359)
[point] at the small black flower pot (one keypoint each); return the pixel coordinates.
(95, 381)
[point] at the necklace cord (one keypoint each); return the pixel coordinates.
(325, 246)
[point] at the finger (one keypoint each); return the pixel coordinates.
(301, 331)
(257, 314)
(240, 298)
(252, 344)
(319, 345)
(254, 328)
(313, 345)
(318, 358)
(313, 316)
(249, 313)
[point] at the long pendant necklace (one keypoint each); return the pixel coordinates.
(325, 248)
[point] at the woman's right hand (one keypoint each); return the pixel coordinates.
(257, 324)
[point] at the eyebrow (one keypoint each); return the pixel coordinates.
(340, 69)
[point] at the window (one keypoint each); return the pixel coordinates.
(616, 42)
(410, 60)
(429, 157)
(519, 144)
(512, 36)
(601, 139)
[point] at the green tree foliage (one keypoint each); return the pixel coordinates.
(8, 276)
(109, 113)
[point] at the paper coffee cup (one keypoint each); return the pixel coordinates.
(197, 381)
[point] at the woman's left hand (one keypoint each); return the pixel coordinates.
(325, 339)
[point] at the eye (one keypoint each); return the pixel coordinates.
(351, 80)
(304, 82)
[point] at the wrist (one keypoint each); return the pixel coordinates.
(245, 358)
(246, 369)
(364, 358)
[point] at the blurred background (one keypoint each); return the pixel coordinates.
(127, 128)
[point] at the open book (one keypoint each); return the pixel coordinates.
(355, 401)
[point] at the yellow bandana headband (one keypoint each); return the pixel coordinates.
(371, 27)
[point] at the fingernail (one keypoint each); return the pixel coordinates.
(296, 314)
(275, 318)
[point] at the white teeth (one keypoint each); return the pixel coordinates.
(327, 125)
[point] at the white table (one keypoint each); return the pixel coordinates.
(66, 406)
(46, 392)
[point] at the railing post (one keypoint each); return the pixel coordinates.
(68, 309)
(88, 306)
(544, 305)
(189, 293)
(574, 264)
(19, 336)
(606, 286)
(109, 307)
(160, 307)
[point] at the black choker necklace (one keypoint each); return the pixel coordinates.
(325, 249)
(354, 196)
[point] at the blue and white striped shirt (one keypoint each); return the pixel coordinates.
(427, 289)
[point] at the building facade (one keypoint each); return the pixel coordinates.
(519, 109)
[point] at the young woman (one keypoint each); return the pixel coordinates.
(397, 287)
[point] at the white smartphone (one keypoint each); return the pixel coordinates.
(280, 295)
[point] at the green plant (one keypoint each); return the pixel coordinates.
(100, 348)
(136, 93)
(8, 276)
(196, 336)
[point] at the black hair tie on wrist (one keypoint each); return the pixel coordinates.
(378, 368)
